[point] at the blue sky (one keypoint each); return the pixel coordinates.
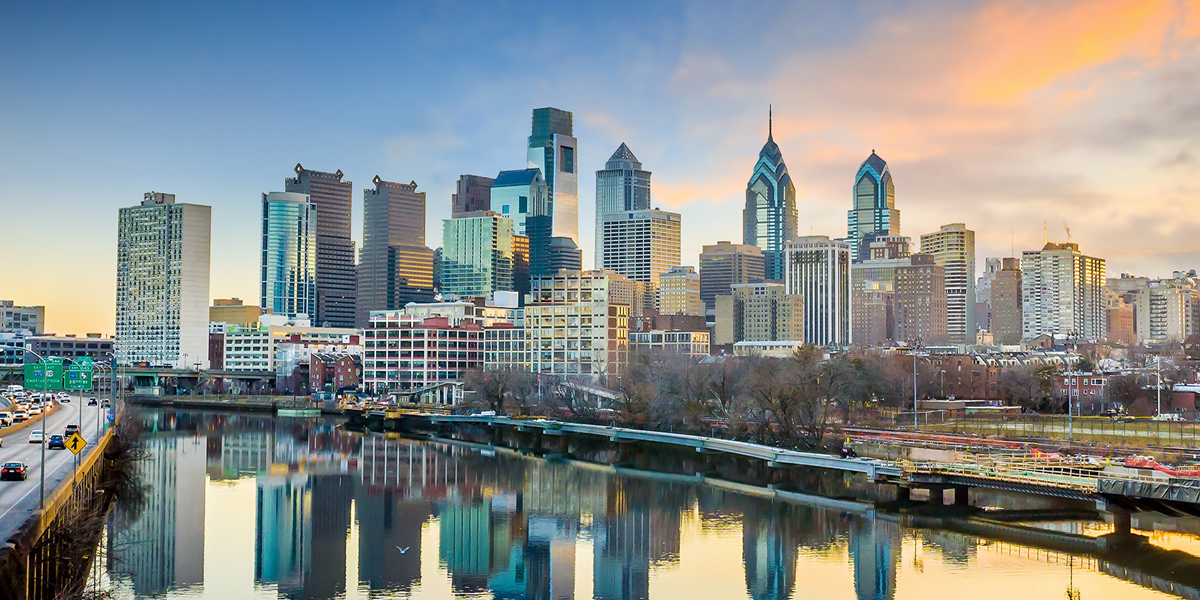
(1004, 116)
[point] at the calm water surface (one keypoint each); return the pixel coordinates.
(254, 507)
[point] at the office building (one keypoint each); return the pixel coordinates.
(519, 195)
(472, 193)
(759, 312)
(641, 244)
(278, 344)
(22, 318)
(162, 282)
(336, 277)
(233, 312)
(94, 346)
(724, 264)
(769, 219)
(953, 247)
(1062, 293)
(565, 254)
(539, 230)
(477, 254)
(1119, 322)
(679, 292)
(688, 343)
(404, 352)
(396, 266)
(874, 213)
(288, 267)
(983, 294)
(819, 270)
(920, 302)
(553, 150)
(1004, 302)
(873, 286)
(520, 268)
(621, 186)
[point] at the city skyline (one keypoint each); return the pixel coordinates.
(1006, 132)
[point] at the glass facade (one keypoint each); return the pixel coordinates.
(874, 214)
(288, 278)
(518, 195)
(620, 187)
(553, 150)
(770, 216)
(477, 255)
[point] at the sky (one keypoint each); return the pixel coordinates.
(1025, 120)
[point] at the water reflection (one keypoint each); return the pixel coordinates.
(338, 514)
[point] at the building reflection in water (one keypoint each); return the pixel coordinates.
(507, 527)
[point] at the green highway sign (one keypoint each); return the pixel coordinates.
(46, 375)
(77, 380)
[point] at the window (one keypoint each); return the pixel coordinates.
(568, 159)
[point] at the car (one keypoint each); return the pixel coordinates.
(37, 437)
(14, 470)
(56, 443)
(66, 400)
(35, 410)
(72, 428)
(91, 401)
(106, 404)
(20, 416)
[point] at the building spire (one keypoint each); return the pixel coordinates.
(769, 126)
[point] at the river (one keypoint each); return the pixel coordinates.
(246, 506)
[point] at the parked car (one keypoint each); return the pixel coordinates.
(37, 437)
(56, 443)
(14, 470)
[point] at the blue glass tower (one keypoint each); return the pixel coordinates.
(770, 214)
(874, 213)
(289, 254)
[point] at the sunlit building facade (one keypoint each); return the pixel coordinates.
(769, 219)
(819, 270)
(477, 254)
(337, 285)
(1062, 293)
(874, 213)
(953, 247)
(396, 267)
(288, 268)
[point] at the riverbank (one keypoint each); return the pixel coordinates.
(281, 405)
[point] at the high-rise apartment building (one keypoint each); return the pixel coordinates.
(818, 269)
(472, 193)
(396, 266)
(22, 318)
(983, 294)
(759, 312)
(874, 213)
(553, 150)
(723, 264)
(621, 186)
(162, 282)
(336, 278)
(679, 292)
(953, 247)
(1004, 302)
(873, 287)
(519, 195)
(641, 244)
(1163, 310)
(920, 301)
(477, 254)
(288, 266)
(1062, 293)
(769, 219)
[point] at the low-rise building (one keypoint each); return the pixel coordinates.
(16, 319)
(759, 312)
(690, 343)
(768, 348)
(94, 346)
(278, 344)
(403, 352)
(233, 312)
(334, 371)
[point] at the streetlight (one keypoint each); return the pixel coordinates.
(45, 388)
(916, 346)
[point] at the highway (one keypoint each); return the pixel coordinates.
(19, 499)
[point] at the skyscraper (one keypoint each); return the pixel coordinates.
(477, 254)
(724, 264)
(1062, 292)
(519, 195)
(641, 244)
(288, 278)
(818, 268)
(920, 301)
(553, 150)
(874, 213)
(679, 292)
(336, 280)
(953, 247)
(1005, 302)
(769, 218)
(621, 186)
(472, 193)
(162, 282)
(396, 267)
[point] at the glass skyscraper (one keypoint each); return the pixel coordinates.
(477, 254)
(337, 285)
(553, 150)
(288, 269)
(620, 187)
(769, 218)
(874, 213)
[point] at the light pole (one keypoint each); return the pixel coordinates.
(45, 388)
(916, 346)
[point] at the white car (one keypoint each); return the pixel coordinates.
(20, 416)
(35, 410)
(37, 437)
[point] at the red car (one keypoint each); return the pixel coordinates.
(14, 470)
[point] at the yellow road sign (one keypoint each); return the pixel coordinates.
(76, 443)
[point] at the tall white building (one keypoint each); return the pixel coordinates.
(641, 244)
(620, 187)
(818, 269)
(162, 283)
(1062, 292)
(953, 247)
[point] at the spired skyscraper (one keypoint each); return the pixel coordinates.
(770, 214)
(553, 150)
(336, 280)
(874, 213)
(621, 186)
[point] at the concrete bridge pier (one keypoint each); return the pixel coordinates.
(1122, 535)
(903, 493)
(962, 495)
(937, 494)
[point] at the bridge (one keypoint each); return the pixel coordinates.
(1117, 491)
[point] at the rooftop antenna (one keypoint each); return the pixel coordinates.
(1045, 235)
(770, 127)
(1068, 229)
